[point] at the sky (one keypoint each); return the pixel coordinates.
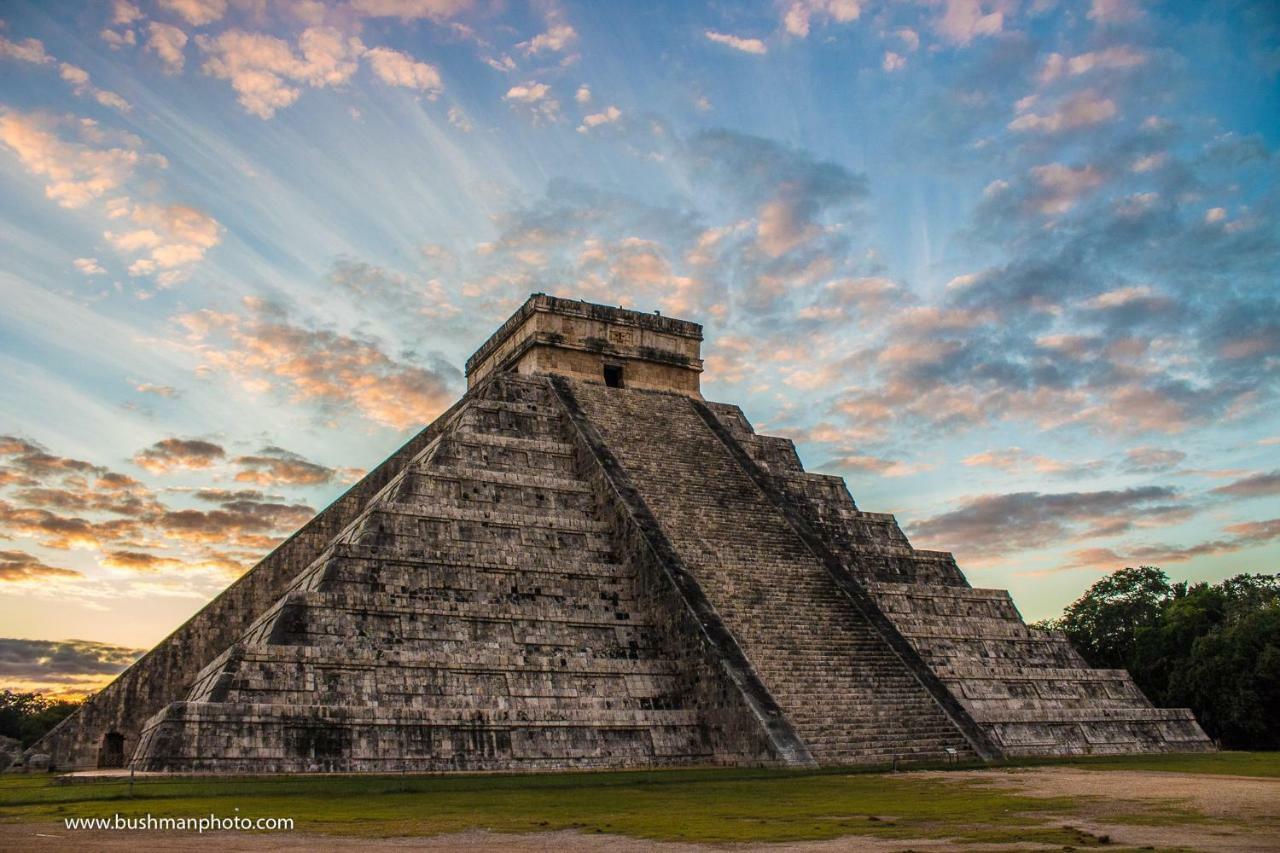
(1010, 267)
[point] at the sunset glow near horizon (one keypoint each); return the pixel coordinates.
(1010, 268)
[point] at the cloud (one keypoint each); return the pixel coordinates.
(124, 12)
(263, 69)
(159, 390)
(80, 83)
(799, 15)
(458, 118)
(403, 296)
(67, 666)
(1254, 486)
(32, 459)
(1017, 459)
(98, 162)
(1079, 110)
(63, 503)
(19, 566)
(169, 43)
(866, 464)
(410, 10)
(252, 523)
(583, 95)
(1145, 460)
(399, 69)
(609, 115)
(1062, 185)
(344, 374)
(964, 20)
(116, 40)
(275, 466)
(1114, 11)
(795, 200)
(75, 173)
(139, 561)
(1115, 58)
(169, 239)
(197, 13)
(1241, 536)
(555, 39)
(534, 99)
(746, 45)
(999, 524)
(179, 454)
(893, 61)
(611, 247)
(88, 266)
(117, 494)
(62, 532)
(28, 50)
(858, 299)
(1255, 532)
(910, 38)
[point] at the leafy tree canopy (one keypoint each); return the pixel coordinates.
(27, 716)
(1214, 648)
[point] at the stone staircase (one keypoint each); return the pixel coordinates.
(1028, 689)
(842, 687)
(474, 617)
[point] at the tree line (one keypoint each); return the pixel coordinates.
(27, 716)
(1213, 648)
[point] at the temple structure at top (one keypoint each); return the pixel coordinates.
(583, 564)
(594, 343)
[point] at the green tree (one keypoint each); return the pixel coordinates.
(1161, 649)
(1104, 623)
(27, 716)
(1214, 648)
(1231, 679)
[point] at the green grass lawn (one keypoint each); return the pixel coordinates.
(708, 805)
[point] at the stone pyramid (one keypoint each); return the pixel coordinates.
(583, 564)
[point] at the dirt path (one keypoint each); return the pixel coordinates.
(1190, 811)
(1239, 812)
(23, 838)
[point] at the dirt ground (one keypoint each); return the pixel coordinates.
(1237, 814)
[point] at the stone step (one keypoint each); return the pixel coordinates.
(500, 452)
(562, 564)
(520, 517)
(365, 714)
(398, 529)
(481, 660)
(574, 612)
(475, 474)
(536, 444)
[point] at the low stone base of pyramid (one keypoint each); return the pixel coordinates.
(232, 738)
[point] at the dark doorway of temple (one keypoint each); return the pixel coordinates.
(613, 375)
(112, 754)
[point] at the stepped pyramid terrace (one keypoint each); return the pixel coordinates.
(584, 564)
